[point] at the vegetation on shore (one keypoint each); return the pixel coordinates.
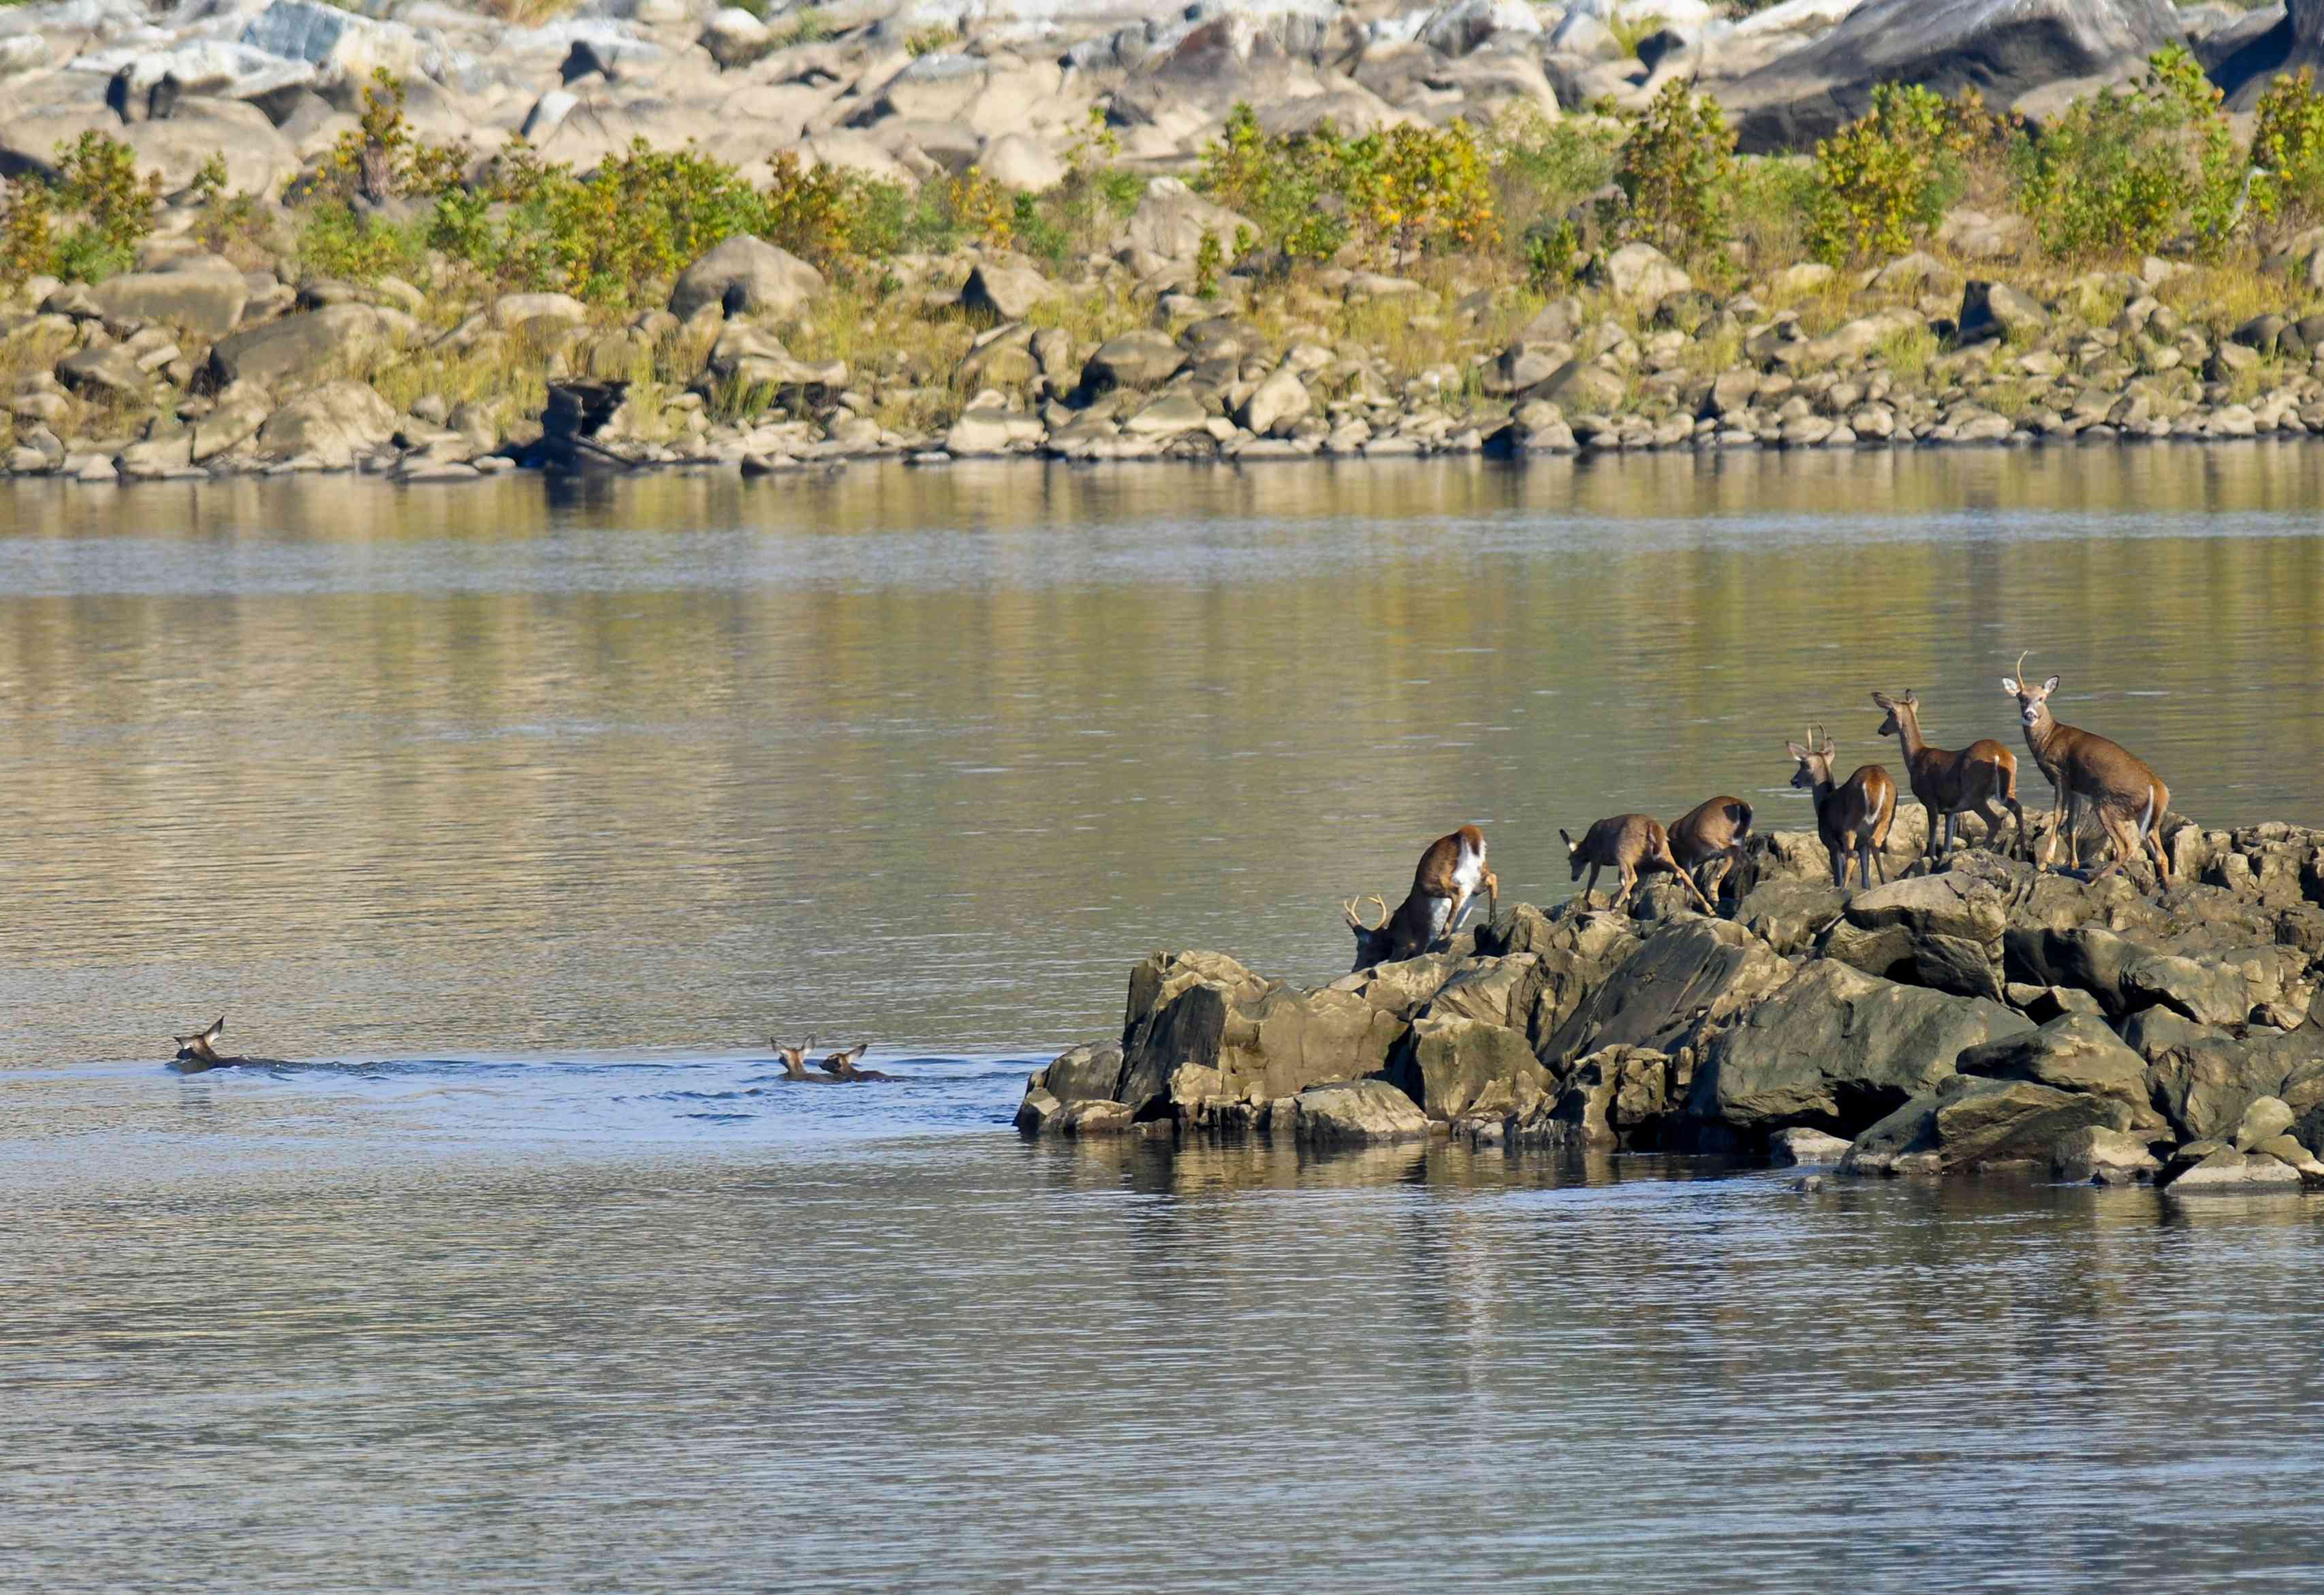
(1490, 222)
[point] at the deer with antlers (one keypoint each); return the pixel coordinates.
(1633, 843)
(1443, 887)
(1981, 778)
(2085, 767)
(1852, 817)
(1711, 833)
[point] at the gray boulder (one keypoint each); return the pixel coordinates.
(1835, 1049)
(1453, 1066)
(1968, 1122)
(2074, 1053)
(208, 302)
(1942, 931)
(1995, 310)
(1683, 981)
(1088, 1072)
(292, 350)
(1003, 292)
(1353, 1112)
(743, 276)
(2003, 48)
(110, 373)
(331, 425)
(2096, 1155)
(1172, 220)
(1137, 360)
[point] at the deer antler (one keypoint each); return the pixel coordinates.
(2020, 671)
(1384, 911)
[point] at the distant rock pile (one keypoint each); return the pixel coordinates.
(1971, 1016)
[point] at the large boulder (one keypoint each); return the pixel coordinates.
(295, 349)
(1352, 1112)
(745, 276)
(1968, 1122)
(205, 301)
(2075, 1052)
(1135, 360)
(331, 425)
(2002, 47)
(1683, 981)
(2203, 1077)
(1004, 292)
(2266, 42)
(1172, 220)
(1942, 931)
(1836, 1049)
(1455, 1066)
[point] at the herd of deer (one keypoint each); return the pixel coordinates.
(2127, 798)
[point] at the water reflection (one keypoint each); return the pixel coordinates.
(933, 756)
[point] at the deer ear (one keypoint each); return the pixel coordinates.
(1570, 843)
(1881, 700)
(2050, 685)
(2009, 685)
(1795, 751)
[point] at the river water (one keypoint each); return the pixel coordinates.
(523, 815)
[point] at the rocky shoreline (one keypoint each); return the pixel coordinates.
(213, 344)
(1971, 1016)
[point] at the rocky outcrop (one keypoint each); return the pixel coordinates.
(2003, 48)
(1973, 1015)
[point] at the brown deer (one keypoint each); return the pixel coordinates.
(841, 1065)
(795, 1062)
(1975, 780)
(199, 1051)
(1449, 875)
(1852, 817)
(2128, 798)
(1634, 843)
(1711, 833)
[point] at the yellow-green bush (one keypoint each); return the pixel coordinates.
(1884, 179)
(2125, 172)
(88, 223)
(2288, 148)
(1675, 172)
(1395, 194)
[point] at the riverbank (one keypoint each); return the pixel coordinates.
(1971, 1016)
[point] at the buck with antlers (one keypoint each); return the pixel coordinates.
(1634, 843)
(1981, 778)
(1853, 817)
(1711, 833)
(1448, 878)
(2128, 798)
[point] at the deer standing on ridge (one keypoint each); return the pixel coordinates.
(1634, 843)
(1449, 875)
(1711, 833)
(1852, 817)
(2127, 797)
(1949, 784)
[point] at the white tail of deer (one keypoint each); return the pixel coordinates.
(1444, 887)
(1981, 778)
(2128, 798)
(1708, 841)
(1634, 845)
(1852, 817)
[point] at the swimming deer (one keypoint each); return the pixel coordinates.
(1852, 817)
(1948, 784)
(1443, 887)
(1633, 843)
(2085, 767)
(841, 1065)
(795, 1062)
(1711, 833)
(199, 1051)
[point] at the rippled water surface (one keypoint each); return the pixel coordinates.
(520, 817)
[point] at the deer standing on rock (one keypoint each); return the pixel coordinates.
(1711, 833)
(1949, 784)
(2128, 798)
(1449, 875)
(1633, 843)
(1852, 817)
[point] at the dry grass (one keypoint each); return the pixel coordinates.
(526, 13)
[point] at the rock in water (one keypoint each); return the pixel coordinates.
(1358, 1112)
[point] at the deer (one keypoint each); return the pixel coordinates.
(841, 1065)
(1853, 817)
(2085, 767)
(1442, 889)
(1711, 833)
(1981, 778)
(1634, 843)
(795, 1062)
(199, 1051)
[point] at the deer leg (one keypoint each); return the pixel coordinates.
(1839, 868)
(1869, 860)
(2025, 842)
(1629, 885)
(1587, 887)
(1693, 885)
(2153, 845)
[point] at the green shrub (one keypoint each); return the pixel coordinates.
(337, 239)
(1884, 179)
(1397, 193)
(231, 224)
(2127, 172)
(381, 159)
(1543, 169)
(2288, 147)
(1553, 255)
(27, 219)
(87, 224)
(1675, 172)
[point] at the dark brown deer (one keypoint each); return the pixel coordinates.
(199, 1051)
(1634, 843)
(1711, 833)
(1853, 817)
(1450, 874)
(1981, 778)
(2128, 797)
(841, 1065)
(795, 1062)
